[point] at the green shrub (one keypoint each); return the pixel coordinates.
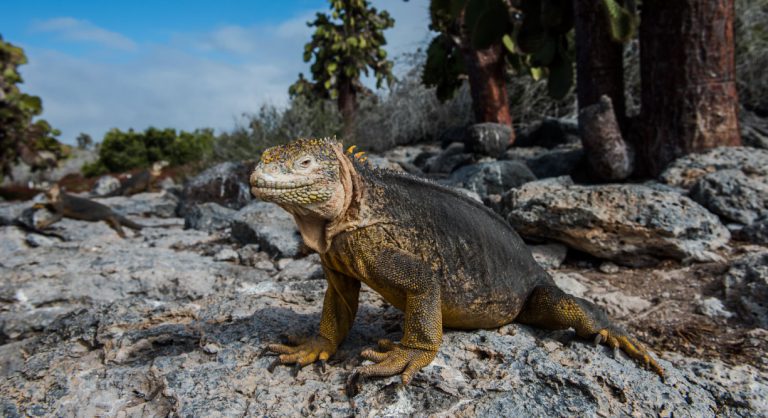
(122, 151)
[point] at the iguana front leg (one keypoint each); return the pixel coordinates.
(339, 310)
(423, 326)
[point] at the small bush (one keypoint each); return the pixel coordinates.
(272, 126)
(751, 37)
(122, 151)
(409, 113)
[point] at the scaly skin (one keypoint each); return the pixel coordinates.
(140, 182)
(442, 258)
(64, 205)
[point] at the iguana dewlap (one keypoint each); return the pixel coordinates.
(442, 258)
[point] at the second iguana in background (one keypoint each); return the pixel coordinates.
(63, 205)
(139, 182)
(442, 258)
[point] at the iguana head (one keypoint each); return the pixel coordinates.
(52, 197)
(307, 177)
(157, 168)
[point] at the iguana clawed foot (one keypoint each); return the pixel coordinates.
(618, 339)
(304, 352)
(390, 359)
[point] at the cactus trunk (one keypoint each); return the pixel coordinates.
(486, 69)
(347, 103)
(599, 64)
(689, 99)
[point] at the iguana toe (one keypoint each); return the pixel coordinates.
(303, 354)
(394, 359)
(617, 339)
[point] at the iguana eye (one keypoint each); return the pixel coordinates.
(305, 162)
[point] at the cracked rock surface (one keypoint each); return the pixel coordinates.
(153, 325)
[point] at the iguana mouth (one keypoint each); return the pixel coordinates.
(276, 185)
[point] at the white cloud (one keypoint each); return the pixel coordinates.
(71, 29)
(191, 81)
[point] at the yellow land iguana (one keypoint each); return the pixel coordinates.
(63, 205)
(442, 258)
(140, 182)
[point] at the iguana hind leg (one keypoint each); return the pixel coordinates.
(549, 307)
(114, 223)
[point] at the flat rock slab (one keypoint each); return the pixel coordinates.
(161, 204)
(147, 326)
(208, 216)
(686, 171)
(733, 195)
(628, 224)
(139, 357)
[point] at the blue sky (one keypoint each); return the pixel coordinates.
(181, 64)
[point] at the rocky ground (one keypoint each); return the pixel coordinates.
(173, 321)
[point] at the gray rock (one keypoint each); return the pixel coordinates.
(11, 211)
(161, 204)
(549, 256)
(713, 307)
(269, 226)
(495, 177)
(146, 326)
(571, 283)
(208, 216)
(452, 135)
(35, 240)
(549, 133)
(13, 240)
(250, 254)
(448, 160)
(559, 161)
(167, 183)
(733, 195)
(756, 232)
(225, 184)
(104, 185)
(619, 304)
(383, 163)
(754, 129)
(608, 268)
(307, 268)
(487, 138)
(226, 254)
(686, 171)
(408, 154)
(746, 287)
(32, 217)
(627, 224)
(738, 389)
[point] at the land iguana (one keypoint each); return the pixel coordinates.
(443, 258)
(63, 205)
(140, 182)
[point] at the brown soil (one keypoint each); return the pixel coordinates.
(673, 323)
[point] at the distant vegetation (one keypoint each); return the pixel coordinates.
(348, 41)
(21, 138)
(272, 125)
(122, 151)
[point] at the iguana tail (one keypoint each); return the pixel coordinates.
(133, 225)
(549, 307)
(129, 223)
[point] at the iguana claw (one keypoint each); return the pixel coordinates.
(303, 354)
